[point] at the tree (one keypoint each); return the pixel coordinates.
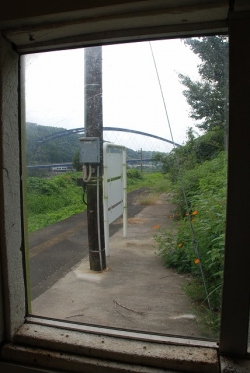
(194, 152)
(208, 97)
(77, 165)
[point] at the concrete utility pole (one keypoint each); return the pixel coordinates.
(94, 128)
(141, 157)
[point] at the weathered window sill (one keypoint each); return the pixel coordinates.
(61, 346)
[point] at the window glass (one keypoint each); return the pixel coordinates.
(166, 104)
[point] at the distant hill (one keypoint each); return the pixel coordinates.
(58, 150)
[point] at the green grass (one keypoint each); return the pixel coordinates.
(156, 182)
(51, 200)
(208, 320)
(205, 187)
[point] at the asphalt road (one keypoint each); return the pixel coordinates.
(54, 250)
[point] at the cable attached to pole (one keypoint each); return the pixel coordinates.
(84, 187)
(98, 218)
(85, 176)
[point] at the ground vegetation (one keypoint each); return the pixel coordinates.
(198, 172)
(49, 200)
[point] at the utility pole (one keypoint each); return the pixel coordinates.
(93, 119)
(141, 159)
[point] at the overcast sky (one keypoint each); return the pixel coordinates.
(54, 87)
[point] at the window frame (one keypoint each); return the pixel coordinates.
(235, 311)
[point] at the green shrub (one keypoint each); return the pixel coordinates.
(209, 145)
(209, 176)
(133, 173)
(205, 187)
(192, 154)
(51, 200)
(38, 186)
(174, 254)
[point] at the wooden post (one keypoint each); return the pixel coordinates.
(94, 128)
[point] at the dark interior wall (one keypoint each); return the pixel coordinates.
(12, 9)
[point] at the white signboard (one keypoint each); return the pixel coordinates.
(114, 188)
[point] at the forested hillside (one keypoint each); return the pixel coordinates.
(59, 150)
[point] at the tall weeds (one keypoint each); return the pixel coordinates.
(205, 187)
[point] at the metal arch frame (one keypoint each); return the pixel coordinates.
(79, 130)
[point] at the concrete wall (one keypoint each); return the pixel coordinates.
(10, 208)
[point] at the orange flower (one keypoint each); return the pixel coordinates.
(156, 226)
(197, 261)
(180, 245)
(195, 212)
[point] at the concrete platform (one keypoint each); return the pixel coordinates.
(135, 292)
